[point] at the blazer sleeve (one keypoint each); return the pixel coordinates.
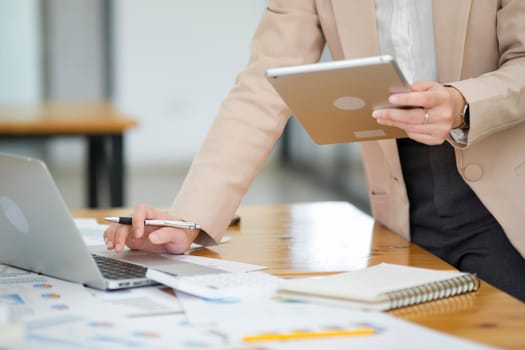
(250, 119)
(497, 98)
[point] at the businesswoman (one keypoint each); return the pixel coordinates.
(456, 185)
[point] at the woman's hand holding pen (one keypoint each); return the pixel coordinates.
(437, 112)
(155, 239)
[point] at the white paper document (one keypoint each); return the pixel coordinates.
(140, 302)
(106, 332)
(29, 294)
(249, 318)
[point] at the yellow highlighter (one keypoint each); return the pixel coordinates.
(309, 334)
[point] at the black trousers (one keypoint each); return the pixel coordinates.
(448, 219)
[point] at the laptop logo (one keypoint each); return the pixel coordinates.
(14, 214)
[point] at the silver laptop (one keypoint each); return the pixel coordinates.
(334, 101)
(37, 233)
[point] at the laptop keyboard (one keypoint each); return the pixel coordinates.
(118, 270)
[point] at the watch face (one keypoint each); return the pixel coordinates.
(466, 114)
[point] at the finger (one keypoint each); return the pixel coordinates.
(142, 212)
(109, 235)
(397, 116)
(145, 244)
(419, 131)
(423, 99)
(424, 94)
(163, 240)
(120, 236)
(168, 235)
(423, 85)
(175, 240)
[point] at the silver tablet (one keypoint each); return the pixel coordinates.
(334, 101)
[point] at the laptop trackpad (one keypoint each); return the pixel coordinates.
(157, 262)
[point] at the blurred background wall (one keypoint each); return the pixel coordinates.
(166, 63)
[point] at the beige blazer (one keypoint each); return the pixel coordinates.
(480, 48)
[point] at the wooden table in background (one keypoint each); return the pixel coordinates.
(326, 237)
(99, 123)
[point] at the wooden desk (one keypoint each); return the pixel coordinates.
(326, 237)
(101, 126)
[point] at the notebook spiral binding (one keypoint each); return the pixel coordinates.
(433, 291)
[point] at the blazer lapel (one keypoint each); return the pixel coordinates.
(357, 27)
(356, 24)
(450, 30)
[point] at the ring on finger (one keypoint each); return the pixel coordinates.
(425, 121)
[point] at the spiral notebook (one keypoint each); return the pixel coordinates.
(380, 287)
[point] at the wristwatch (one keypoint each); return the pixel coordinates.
(463, 115)
(465, 118)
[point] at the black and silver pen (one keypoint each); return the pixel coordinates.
(126, 220)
